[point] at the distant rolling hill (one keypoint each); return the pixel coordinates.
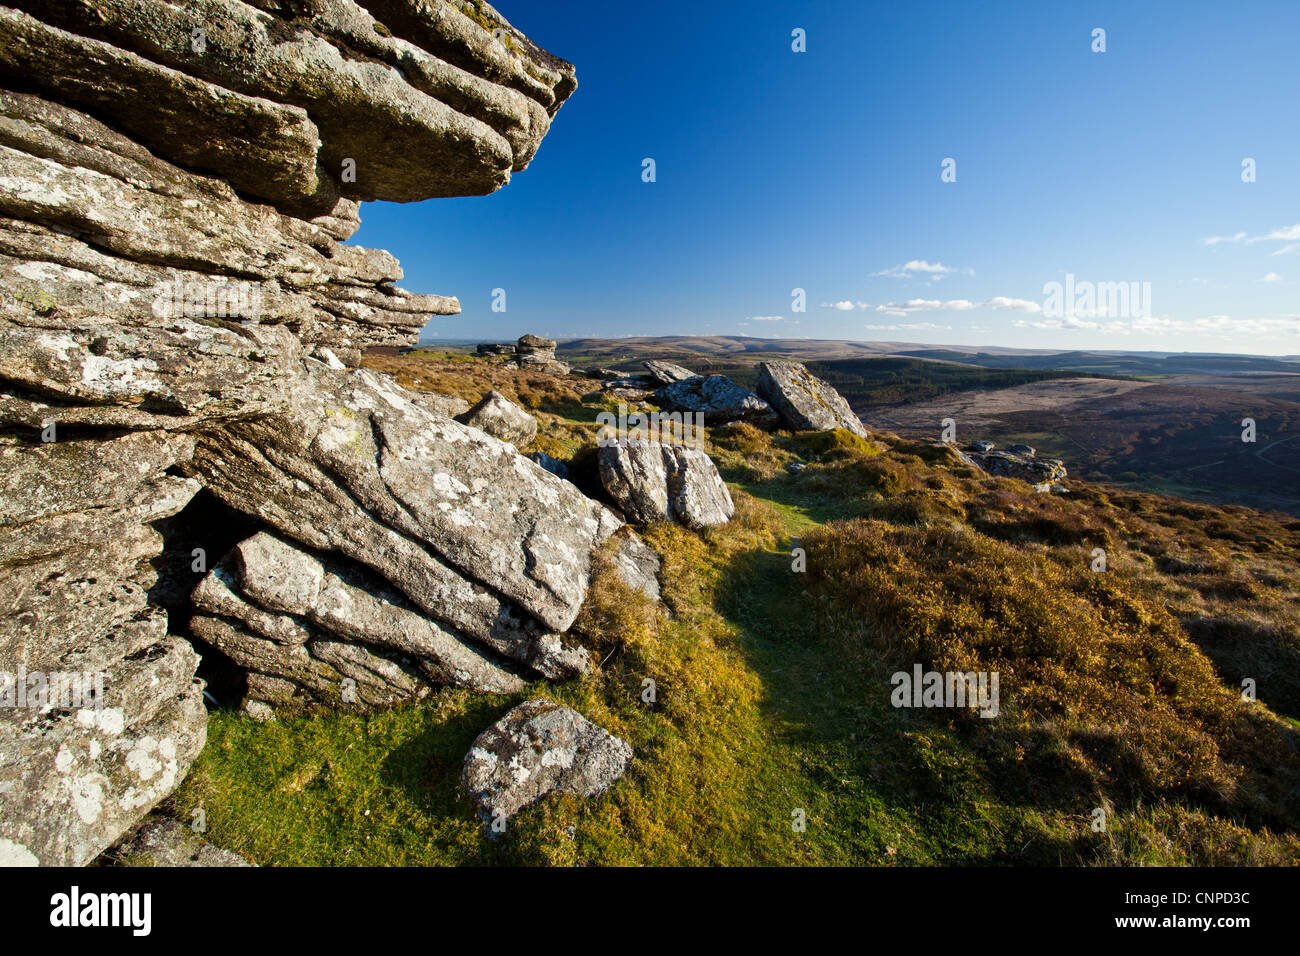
(1162, 421)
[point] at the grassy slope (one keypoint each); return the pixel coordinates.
(773, 689)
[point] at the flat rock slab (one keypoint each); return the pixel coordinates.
(358, 468)
(536, 749)
(805, 402)
(665, 373)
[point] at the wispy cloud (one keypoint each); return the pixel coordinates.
(1284, 234)
(1004, 304)
(918, 266)
(1219, 240)
(1217, 326)
(999, 303)
(1271, 277)
(910, 327)
(766, 318)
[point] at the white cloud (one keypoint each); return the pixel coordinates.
(844, 305)
(766, 318)
(1004, 304)
(907, 269)
(1284, 234)
(1271, 277)
(1292, 247)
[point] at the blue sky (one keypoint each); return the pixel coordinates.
(821, 171)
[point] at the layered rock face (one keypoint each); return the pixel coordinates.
(179, 313)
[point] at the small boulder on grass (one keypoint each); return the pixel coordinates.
(536, 749)
(501, 418)
(638, 565)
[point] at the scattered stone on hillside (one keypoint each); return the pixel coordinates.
(719, 398)
(1012, 465)
(257, 709)
(804, 402)
(637, 564)
(665, 373)
(162, 841)
(501, 418)
(626, 395)
(1024, 451)
(536, 354)
(553, 465)
(536, 749)
(981, 446)
(487, 348)
(652, 481)
(632, 381)
(795, 467)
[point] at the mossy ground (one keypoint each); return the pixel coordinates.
(1119, 690)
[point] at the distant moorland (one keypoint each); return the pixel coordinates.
(1164, 422)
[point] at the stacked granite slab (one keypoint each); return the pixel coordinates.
(181, 322)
